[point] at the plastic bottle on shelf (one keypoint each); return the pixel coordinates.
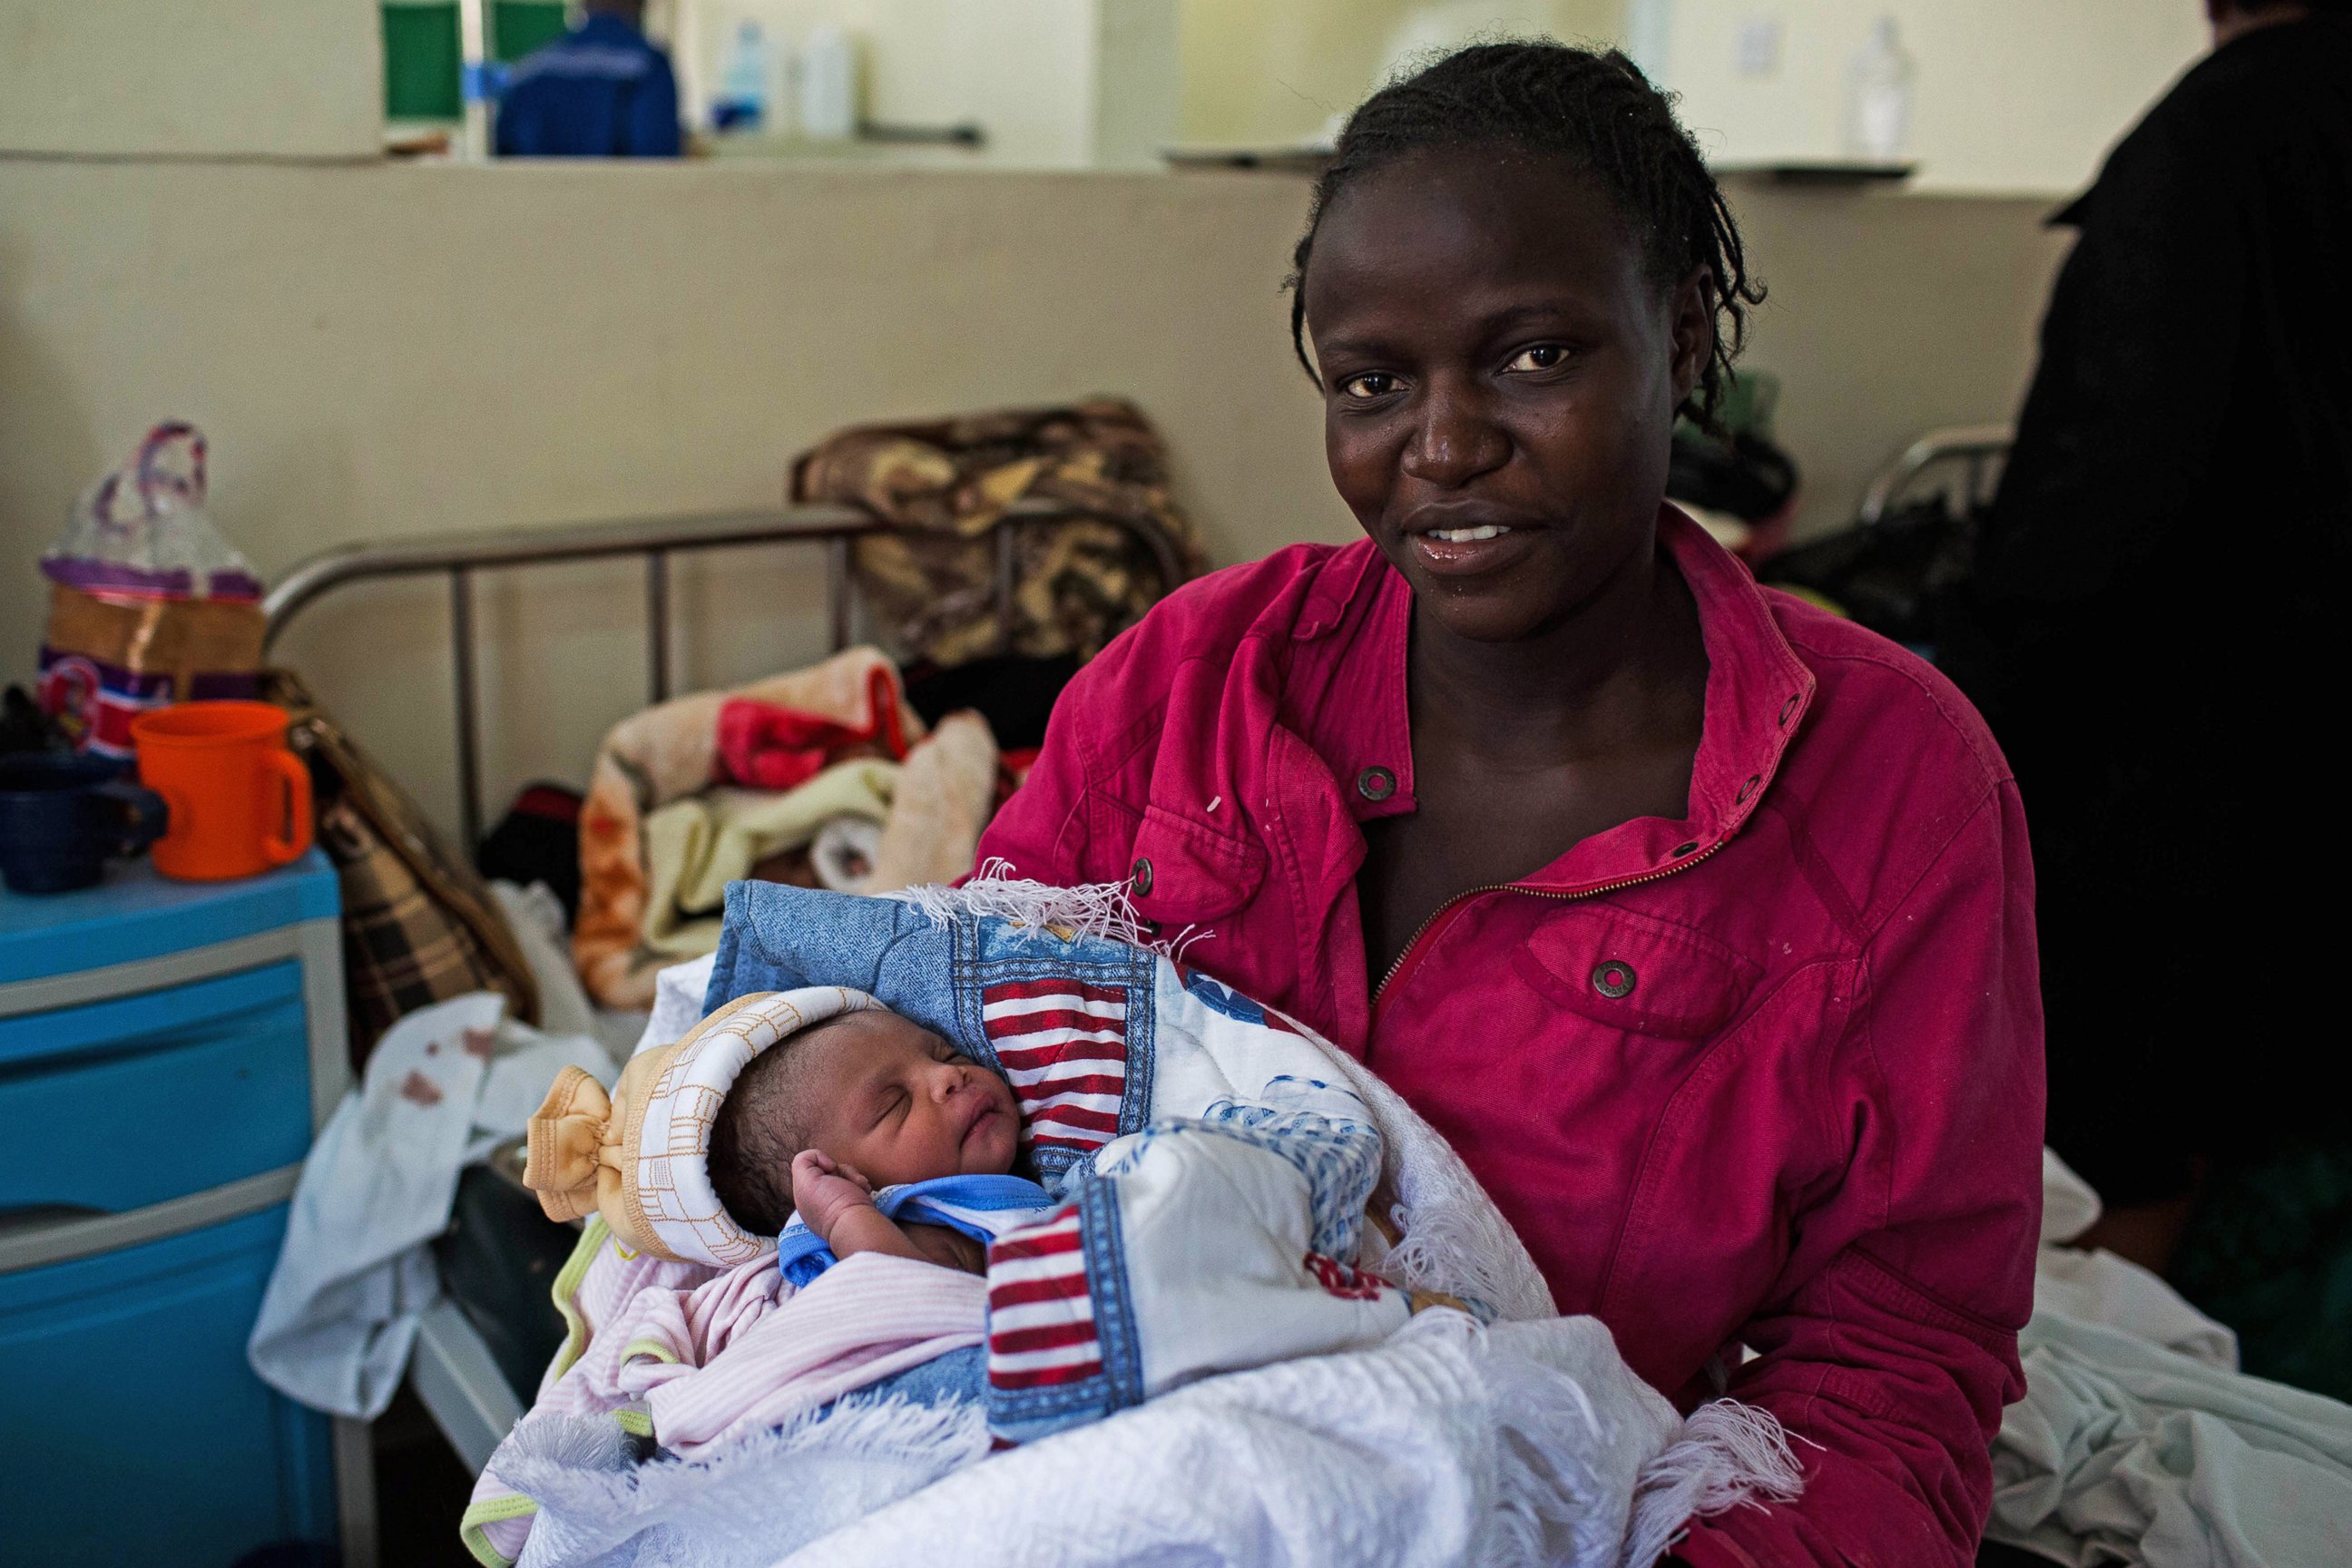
(742, 101)
(828, 85)
(1878, 97)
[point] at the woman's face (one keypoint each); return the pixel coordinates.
(1500, 376)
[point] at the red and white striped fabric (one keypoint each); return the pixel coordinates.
(1041, 1314)
(1063, 1046)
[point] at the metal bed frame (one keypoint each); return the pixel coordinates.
(1979, 450)
(458, 556)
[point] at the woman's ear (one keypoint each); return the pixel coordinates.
(1690, 326)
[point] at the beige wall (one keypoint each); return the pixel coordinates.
(1887, 315)
(394, 349)
(1269, 75)
(2011, 95)
(383, 349)
(189, 78)
(1272, 72)
(1054, 83)
(1107, 83)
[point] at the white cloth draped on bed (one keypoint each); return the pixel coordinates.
(355, 1273)
(2138, 1440)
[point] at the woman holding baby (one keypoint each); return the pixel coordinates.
(1698, 921)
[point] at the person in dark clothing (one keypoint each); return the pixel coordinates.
(2155, 618)
(601, 91)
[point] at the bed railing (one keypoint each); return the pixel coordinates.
(1979, 450)
(458, 556)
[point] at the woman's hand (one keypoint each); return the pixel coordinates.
(823, 1191)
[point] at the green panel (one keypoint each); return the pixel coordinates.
(421, 57)
(519, 27)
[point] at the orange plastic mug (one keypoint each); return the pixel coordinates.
(240, 801)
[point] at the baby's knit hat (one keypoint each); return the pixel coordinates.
(641, 1156)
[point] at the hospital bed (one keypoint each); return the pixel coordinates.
(455, 1371)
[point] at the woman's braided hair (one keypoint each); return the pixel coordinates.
(1598, 108)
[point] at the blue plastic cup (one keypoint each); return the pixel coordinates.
(62, 817)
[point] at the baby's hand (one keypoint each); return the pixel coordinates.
(823, 1191)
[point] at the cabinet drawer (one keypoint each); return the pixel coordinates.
(138, 1435)
(119, 1104)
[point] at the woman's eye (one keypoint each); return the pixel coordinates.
(1372, 384)
(1539, 356)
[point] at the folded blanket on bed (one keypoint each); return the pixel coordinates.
(695, 847)
(1437, 1442)
(937, 802)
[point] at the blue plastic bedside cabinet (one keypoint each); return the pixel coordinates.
(168, 1050)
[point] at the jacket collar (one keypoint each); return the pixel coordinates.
(1758, 692)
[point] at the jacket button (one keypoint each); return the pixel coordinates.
(1141, 876)
(1376, 784)
(1614, 977)
(1683, 850)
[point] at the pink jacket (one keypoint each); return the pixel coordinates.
(1769, 1076)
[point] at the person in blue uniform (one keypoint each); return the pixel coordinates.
(601, 91)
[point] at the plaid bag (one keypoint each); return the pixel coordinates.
(419, 925)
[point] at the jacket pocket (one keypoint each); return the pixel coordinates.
(1179, 873)
(1636, 974)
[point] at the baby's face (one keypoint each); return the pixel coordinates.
(901, 1104)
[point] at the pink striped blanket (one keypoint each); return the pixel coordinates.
(646, 1338)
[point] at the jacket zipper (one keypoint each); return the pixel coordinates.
(1442, 911)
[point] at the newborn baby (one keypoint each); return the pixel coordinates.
(860, 1102)
(798, 1128)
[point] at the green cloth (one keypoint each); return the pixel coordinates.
(695, 847)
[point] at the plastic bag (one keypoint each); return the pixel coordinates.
(148, 604)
